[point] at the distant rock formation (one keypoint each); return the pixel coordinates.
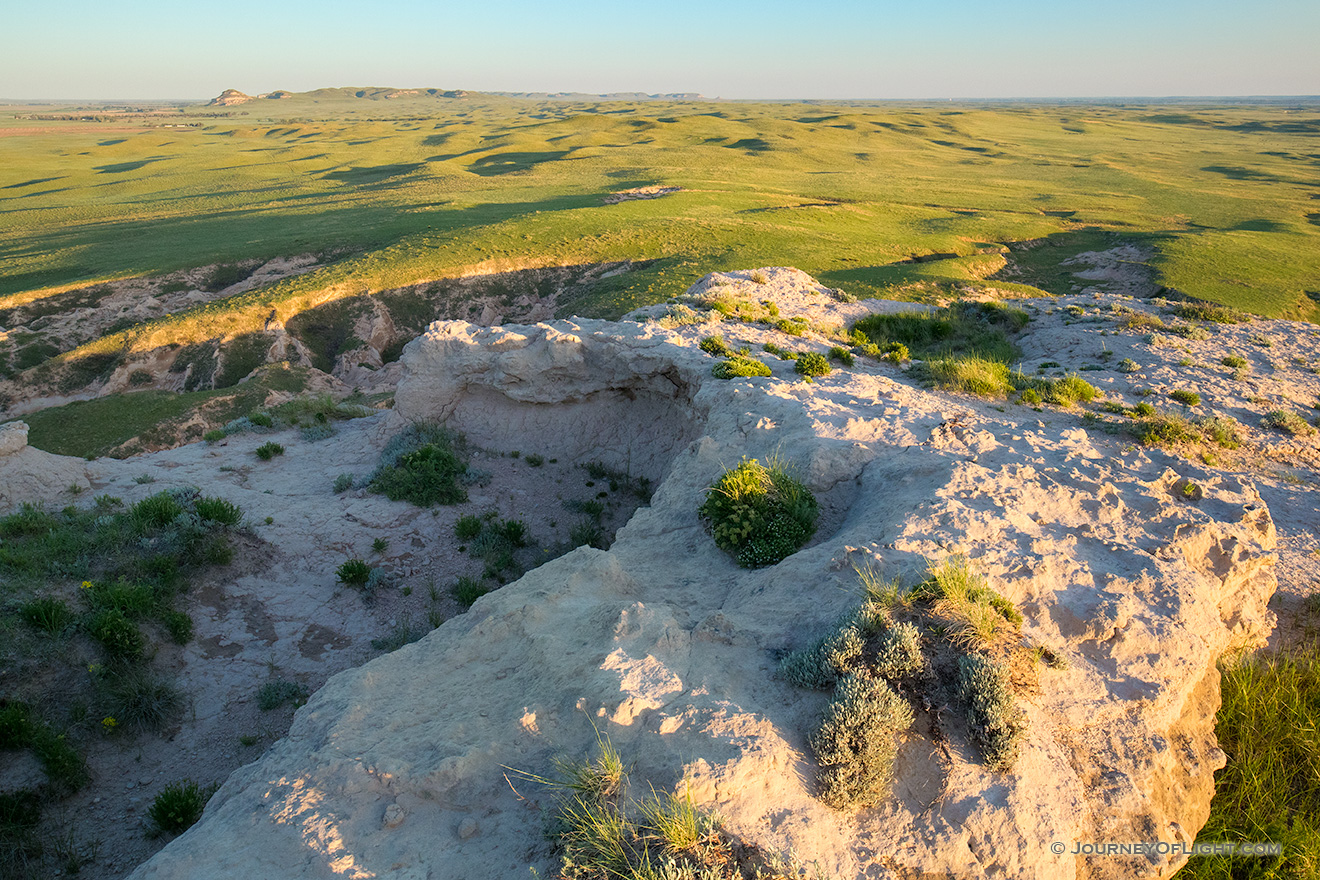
(230, 98)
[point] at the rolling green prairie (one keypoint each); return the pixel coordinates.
(393, 192)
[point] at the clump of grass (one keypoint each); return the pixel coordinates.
(535, 460)
(811, 363)
(1206, 311)
(353, 573)
(971, 375)
(1288, 422)
(975, 615)
(343, 483)
(422, 465)
(964, 328)
(997, 724)
(269, 450)
(782, 353)
(897, 353)
(47, 614)
(177, 807)
(1234, 361)
(218, 510)
(715, 345)
(759, 277)
(1270, 788)
(1185, 397)
(759, 514)
(1068, 390)
(855, 744)
(141, 698)
(380, 545)
(841, 354)
(739, 367)
(277, 692)
(468, 590)
(1128, 365)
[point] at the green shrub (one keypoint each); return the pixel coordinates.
(421, 465)
(179, 625)
(811, 363)
(343, 483)
(1164, 429)
(277, 692)
(214, 435)
(715, 345)
(1185, 397)
(781, 353)
(535, 460)
(997, 725)
(261, 419)
(354, 573)
(178, 806)
(118, 635)
(468, 590)
(66, 770)
(841, 354)
(971, 375)
(586, 534)
(468, 527)
(759, 514)
(855, 744)
(1222, 431)
(1144, 409)
(792, 326)
(1234, 361)
(269, 450)
(1128, 365)
(46, 613)
(218, 510)
(739, 367)
(1288, 422)
(897, 353)
(1031, 396)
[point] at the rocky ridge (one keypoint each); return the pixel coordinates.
(398, 767)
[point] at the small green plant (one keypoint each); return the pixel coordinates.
(811, 363)
(269, 450)
(759, 514)
(468, 590)
(468, 527)
(117, 635)
(997, 724)
(1031, 396)
(841, 354)
(274, 694)
(354, 573)
(380, 545)
(1288, 422)
(974, 614)
(144, 478)
(1185, 397)
(856, 743)
(792, 326)
(1235, 361)
(262, 420)
(421, 465)
(1069, 390)
(1205, 311)
(177, 807)
(782, 353)
(1143, 409)
(897, 353)
(343, 483)
(715, 345)
(218, 510)
(759, 277)
(215, 435)
(535, 460)
(1128, 365)
(739, 367)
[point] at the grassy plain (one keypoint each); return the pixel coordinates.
(418, 188)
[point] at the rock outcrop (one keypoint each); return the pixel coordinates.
(399, 767)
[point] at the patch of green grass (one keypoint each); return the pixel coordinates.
(970, 374)
(1185, 397)
(811, 364)
(353, 573)
(468, 590)
(970, 329)
(1270, 789)
(759, 514)
(277, 692)
(269, 450)
(739, 368)
(1287, 422)
(177, 807)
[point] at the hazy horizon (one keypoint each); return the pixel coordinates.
(739, 50)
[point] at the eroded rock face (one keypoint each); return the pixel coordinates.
(399, 768)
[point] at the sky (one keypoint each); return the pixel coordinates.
(193, 49)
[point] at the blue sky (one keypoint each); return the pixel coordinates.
(735, 49)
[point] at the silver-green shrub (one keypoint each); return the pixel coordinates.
(855, 744)
(998, 725)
